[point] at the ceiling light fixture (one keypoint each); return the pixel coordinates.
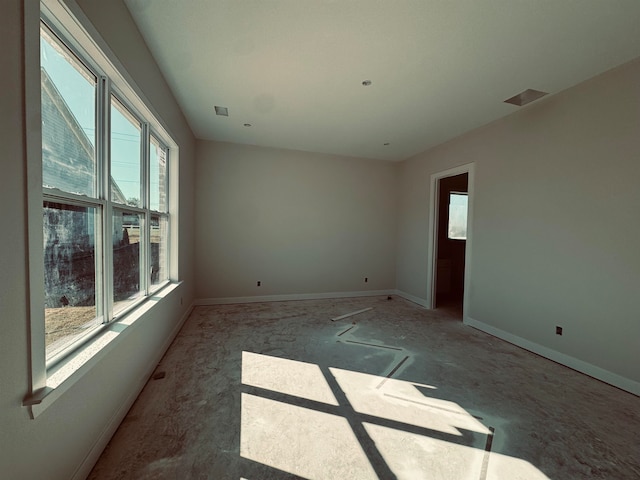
(366, 83)
(528, 96)
(222, 111)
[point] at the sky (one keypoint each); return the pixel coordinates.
(78, 91)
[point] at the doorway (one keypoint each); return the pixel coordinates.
(450, 239)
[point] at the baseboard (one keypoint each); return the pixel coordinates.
(566, 360)
(290, 297)
(91, 459)
(412, 298)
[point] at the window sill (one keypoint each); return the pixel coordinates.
(74, 367)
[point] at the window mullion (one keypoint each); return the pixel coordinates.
(105, 279)
(166, 209)
(145, 243)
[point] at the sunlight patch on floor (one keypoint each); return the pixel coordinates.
(511, 468)
(402, 402)
(304, 380)
(304, 442)
(417, 436)
(416, 457)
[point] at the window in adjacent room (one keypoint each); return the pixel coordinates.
(458, 206)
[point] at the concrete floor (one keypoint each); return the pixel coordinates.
(279, 391)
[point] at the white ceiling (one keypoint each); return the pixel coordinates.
(294, 68)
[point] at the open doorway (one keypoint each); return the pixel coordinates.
(450, 239)
(451, 242)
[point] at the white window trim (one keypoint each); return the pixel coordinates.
(47, 384)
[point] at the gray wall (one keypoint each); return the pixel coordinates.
(555, 226)
(56, 443)
(298, 222)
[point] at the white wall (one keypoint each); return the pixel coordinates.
(56, 443)
(298, 222)
(556, 229)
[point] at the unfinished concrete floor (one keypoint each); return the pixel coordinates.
(279, 391)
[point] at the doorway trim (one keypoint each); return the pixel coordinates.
(434, 201)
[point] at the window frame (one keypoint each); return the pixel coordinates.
(67, 23)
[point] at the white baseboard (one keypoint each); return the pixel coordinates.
(566, 360)
(90, 460)
(412, 298)
(289, 297)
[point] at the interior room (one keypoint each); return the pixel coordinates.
(364, 239)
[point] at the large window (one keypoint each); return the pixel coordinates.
(105, 198)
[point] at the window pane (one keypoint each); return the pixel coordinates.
(158, 249)
(458, 216)
(126, 139)
(126, 258)
(68, 119)
(158, 175)
(69, 273)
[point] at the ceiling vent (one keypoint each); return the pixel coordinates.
(222, 111)
(528, 96)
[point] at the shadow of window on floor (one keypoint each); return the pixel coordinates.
(320, 422)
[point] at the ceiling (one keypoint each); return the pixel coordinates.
(293, 69)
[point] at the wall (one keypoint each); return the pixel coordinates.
(301, 223)
(555, 226)
(65, 439)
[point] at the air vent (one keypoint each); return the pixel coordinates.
(528, 96)
(222, 111)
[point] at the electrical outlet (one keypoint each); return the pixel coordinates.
(558, 330)
(259, 282)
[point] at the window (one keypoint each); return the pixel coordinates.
(105, 202)
(458, 207)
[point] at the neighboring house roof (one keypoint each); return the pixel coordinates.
(68, 156)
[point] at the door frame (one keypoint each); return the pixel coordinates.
(434, 189)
